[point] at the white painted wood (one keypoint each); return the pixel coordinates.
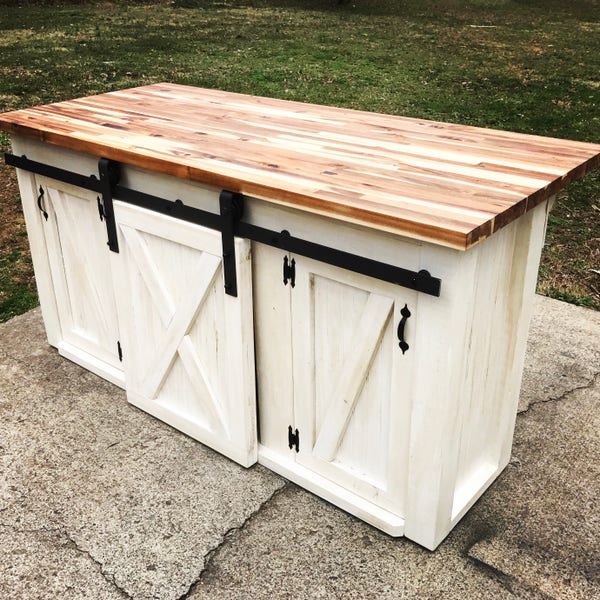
(338, 495)
(406, 442)
(188, 347)
(92, 363)
(489, 420)
(76, 240)
(442, 328)
(273, 331)
(348, 377)
(459, 442)
(360, 240)
(471, 487)
(39, 256)
(73, 275)
(529, 241)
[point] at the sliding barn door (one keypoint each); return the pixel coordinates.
(87, 331)
(352, 382)
(188, 347)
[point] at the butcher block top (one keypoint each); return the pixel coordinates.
(448, 184)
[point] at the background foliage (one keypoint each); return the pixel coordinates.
(521, 65)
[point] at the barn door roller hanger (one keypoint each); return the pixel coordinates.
(228, 222)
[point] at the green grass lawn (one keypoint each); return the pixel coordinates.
(524, 65)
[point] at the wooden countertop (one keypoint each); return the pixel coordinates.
(448, 184)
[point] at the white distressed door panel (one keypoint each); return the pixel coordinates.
(188, 347)
(273, 339)
(79, 263)
(352, 384)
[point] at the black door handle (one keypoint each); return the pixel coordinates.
(39, 203)
(405, 314)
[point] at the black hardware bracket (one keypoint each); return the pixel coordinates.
(225, 222)
(293, 438)
(22, 162)
(420, 281)
(110, 173)
(231, 206)
(289, 271)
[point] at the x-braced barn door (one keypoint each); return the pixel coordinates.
(187, 346)
(353, 353)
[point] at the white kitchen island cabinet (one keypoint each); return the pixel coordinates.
(340, 295)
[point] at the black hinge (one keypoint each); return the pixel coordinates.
(293, 438)
(120, 351)
(289, 271)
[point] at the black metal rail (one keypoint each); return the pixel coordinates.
(228, 222)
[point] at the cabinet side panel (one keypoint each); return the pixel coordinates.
(495, 367)
(524, 275)
(485, 386)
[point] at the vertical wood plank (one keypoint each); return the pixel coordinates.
(526, 261)
(273, 340)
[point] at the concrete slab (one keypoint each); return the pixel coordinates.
(563, 351)
(99, 500)
(302, 547)
(141, 500)
(544, 509)
(47, 564)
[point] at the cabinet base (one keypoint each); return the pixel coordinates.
(355, 505)
(91, 363)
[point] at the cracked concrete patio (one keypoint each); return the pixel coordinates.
(99, 500)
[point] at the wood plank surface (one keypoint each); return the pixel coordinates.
(449, 184)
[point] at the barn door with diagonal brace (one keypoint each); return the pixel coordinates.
(187, 346)
(352, 375)
(82, 285)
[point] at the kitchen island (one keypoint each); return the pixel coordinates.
(342, 296)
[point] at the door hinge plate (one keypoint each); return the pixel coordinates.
(293, 438)
(289, 271)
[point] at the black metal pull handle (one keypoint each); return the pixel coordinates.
(39, 203)
(405, 314)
